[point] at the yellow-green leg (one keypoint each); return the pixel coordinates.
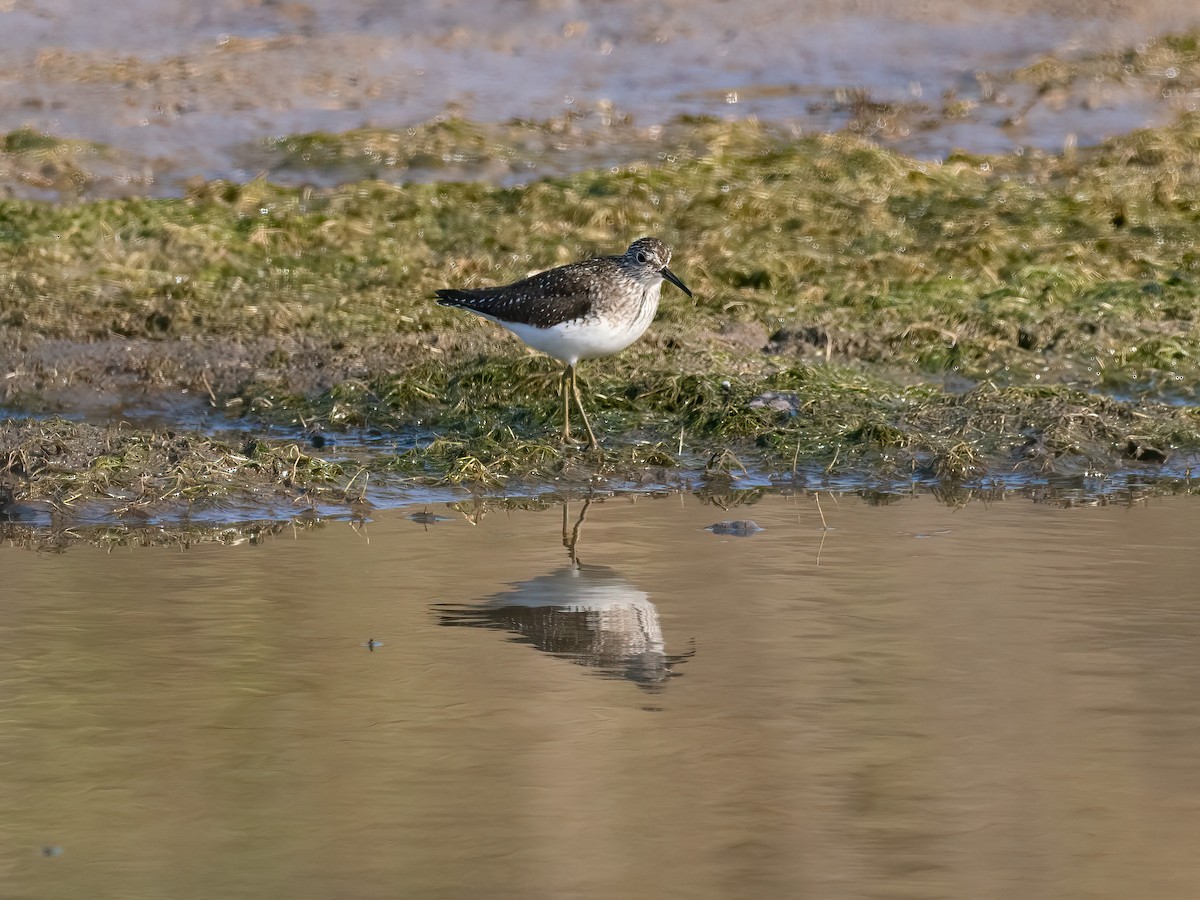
(595, 444)
(566, 404)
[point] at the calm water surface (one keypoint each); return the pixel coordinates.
(994, 701)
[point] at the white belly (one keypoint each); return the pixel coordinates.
(588, 338)
(581, 339)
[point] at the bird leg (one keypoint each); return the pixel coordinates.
(595, 444)
(566, 403)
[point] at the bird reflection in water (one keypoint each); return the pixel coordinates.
(589, 615)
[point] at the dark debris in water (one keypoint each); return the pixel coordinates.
(228, 527)
(425, 517)
(736, 528)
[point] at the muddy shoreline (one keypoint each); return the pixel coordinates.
(300, 317)
(862, 317)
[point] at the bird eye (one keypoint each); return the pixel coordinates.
(642, 257)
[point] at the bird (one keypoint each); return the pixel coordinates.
(580, 311)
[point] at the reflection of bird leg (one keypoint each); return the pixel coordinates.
(570, 539)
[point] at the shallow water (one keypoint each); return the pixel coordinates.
(991, 701)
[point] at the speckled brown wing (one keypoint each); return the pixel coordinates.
(543, 300)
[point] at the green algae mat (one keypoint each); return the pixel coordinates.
(855, 311)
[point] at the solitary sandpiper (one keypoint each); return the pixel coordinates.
(582, 311)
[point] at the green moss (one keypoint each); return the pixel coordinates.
(1007, 272)
(64, 463)
(371, 152)
(1171, 61)
(48, 163)
(497, 417)
(908, 262)
(25, 140)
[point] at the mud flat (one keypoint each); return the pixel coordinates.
(860, 314)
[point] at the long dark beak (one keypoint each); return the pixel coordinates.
(674, 279)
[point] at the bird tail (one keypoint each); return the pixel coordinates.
(452, 297)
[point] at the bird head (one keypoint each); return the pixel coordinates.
(651, 256)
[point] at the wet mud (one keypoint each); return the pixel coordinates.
(160, 93)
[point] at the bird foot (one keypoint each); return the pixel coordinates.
(591, 444)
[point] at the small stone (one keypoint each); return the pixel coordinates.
(777, 401)
(1135, 449)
